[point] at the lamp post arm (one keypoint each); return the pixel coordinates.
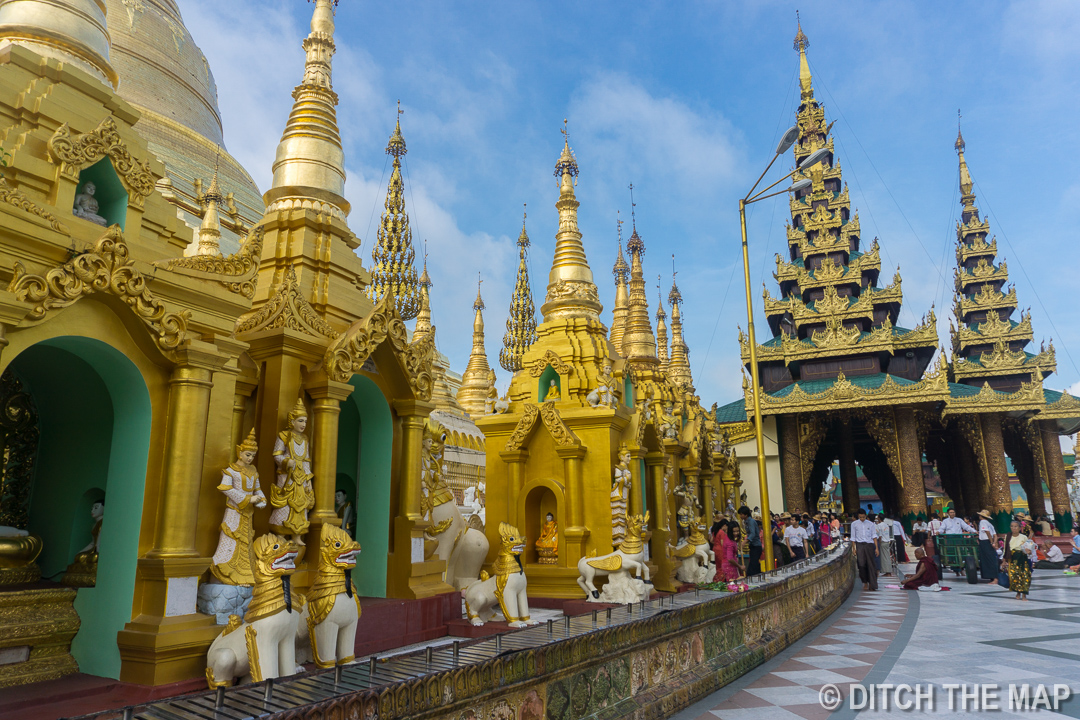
(763, 480)
(760, 195)
(762, 175)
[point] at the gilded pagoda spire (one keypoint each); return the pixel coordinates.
(475, 379)
(987, 342)
(210, 228)
(423, 317)
(639, 344)
(678, 367)
(619, 313)
(393, 255)
(521, 324)
(310, 164)
(805, 80)
(571, 291)
(661, 330)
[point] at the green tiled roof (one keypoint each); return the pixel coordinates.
(733, 412)
(958, 390)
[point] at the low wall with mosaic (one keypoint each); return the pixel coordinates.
(646, 669)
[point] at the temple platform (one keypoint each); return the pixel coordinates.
(646, 659)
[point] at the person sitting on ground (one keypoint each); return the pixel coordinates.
(925, 572)
(1045, 527)
(1072, 563)
(1054, 559)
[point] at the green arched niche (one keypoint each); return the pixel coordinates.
(365, 451)
(544, 383)
(94, 417)
(111, 196)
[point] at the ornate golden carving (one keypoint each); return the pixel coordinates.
(1029, 397)
(550, 358)
(107, 268)
(348, 353)
(564, 289)
(562, 435)
(881, 425)
(812, 430)
(287, 308)
(238, 273)
(523, 428)
(78, 151)
(13, 197)
(1064, 407)
(844, 395)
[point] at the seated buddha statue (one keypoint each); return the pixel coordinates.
(552, 392)
(82, 572)
(547, 547)
(86, 206)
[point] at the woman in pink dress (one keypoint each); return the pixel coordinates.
(720, 539)
(732, 564)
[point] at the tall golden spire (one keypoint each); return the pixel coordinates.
(678, 367)
(966, 196)
(423, 318)
(72, 31)
(639, 344)
(210, 229)
(521, 324)
(801, 43)
(392, 257)
(661, 329)
(571, 291)
(310, 164)
(474, 381)
(619, 313)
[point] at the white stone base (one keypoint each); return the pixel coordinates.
(622, 589)
(222, 600)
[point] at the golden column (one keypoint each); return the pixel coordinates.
(1000, 500)
(638, 490)
(849, 476)
(790, 465)
(189, 400)
(1055, 477)
(577, 533)
(327, 396)
(913, 488)
(655, 464)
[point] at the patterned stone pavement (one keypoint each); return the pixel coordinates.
(971, 635)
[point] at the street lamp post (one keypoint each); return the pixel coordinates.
(763, 481)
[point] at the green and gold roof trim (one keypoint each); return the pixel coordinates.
(833, 304)
(984, 272)
(986, 299)
(992, 329)
(837, 339)
(966, 399)
(1003, 360)
(830, 272)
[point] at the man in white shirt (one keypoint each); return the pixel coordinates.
(900, 540)
(934, 525)
(988, 559)
(795, 538)
(953, 525)
(864, 535)
(1054, 559)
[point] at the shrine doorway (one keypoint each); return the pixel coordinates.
(94, 420)
(365, 452)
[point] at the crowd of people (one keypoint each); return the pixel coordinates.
(881, 544)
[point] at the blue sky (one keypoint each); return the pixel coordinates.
(686, 101)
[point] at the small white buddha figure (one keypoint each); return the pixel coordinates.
(86, 206)
(82, 572)
(344, 510)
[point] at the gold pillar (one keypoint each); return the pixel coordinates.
(791, 465)
(637, 489)
(515, 472)
(244, 388)
(326, 396)
(1055, 477)
(655, 463)
(577, 533)
(970, 483)
(189, 399)
(849, 474)
(913, 489)
(1000, 500)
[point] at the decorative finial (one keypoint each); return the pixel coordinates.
(396, 146)
(479, 304)
(633, 205)
(621, 270)
(660, 314)
(523, 238)
(521, 322)
(566, 163)
(959, 136)
(425, 279)
(801, 41)
(674, 297)
(635, 245)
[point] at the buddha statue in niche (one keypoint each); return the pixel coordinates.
(86, 205)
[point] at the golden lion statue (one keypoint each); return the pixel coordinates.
(333, 608)
(507, 588)
(263, 645)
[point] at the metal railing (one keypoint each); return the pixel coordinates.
(254, 700)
